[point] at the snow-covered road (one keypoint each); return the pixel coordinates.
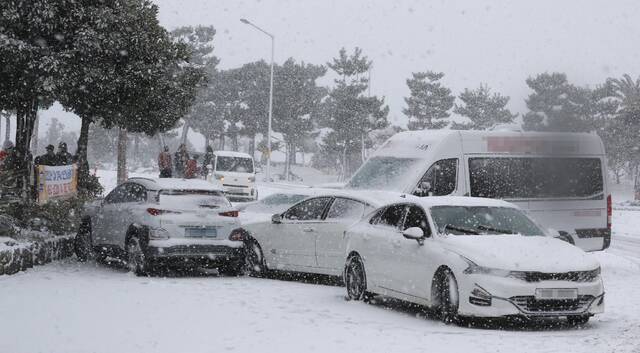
(70, 307)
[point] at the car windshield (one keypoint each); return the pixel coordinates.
(384, 173)
(192, 199)
(479, 220)
(234, 164)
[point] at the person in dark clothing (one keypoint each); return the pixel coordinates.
(64, 157)
(49, 158)
(164, 163)
(207, 161)
(181, 158)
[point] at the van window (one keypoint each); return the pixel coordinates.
(234, 164)
(530, 178)
(441, 176)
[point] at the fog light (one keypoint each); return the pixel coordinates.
(480, 297)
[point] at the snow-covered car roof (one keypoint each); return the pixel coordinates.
(374, 198)
(433, 201)
(176, 184)
(232, 154)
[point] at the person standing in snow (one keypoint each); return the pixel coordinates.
(63, 156)
(191, 170)
(206, 162)
(164, 163)
(7, 146)
(181, 158)
(49, 158)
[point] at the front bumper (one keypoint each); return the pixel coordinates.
(492, 296)
(239, 192)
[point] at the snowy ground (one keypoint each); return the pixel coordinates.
(70, 307)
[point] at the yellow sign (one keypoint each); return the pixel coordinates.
(56, 182)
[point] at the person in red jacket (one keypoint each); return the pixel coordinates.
(192, 170)
(164, 163)
(4, 152)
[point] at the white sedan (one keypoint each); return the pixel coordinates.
(470, 257)
(308, 236)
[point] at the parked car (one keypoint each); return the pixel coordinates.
(308, 236)
(172, 222)
(470, 257)
(237, 174)
(559, 178)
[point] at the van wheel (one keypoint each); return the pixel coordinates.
(448, 297)
(355, 279)
(83, 244)
(136, 259)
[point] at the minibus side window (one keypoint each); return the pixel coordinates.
(440, 179)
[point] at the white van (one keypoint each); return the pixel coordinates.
(559, 178)
(236, 172)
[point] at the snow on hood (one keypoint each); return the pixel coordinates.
(521, 253)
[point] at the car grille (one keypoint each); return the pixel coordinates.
(194, 249)
(575, 276)
(530, 304)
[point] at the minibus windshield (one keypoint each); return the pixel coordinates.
(384, 173)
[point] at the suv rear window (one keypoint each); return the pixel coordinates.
(530, 178)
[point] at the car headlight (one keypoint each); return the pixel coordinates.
(219, 177)
(158, 234)
(476, 269)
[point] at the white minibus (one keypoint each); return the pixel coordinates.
(558, 178)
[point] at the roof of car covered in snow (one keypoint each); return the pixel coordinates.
(231, 154)
(176, 184)
(433, 201)
(374, 198)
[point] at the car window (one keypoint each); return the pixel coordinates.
(416, 217)
(135, 193)
(342, 208)
(441, 176)
(376, 216)
(392, 216)
(308, 210)
(117, 195)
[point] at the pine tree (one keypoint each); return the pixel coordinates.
(429, 102)
(483, 108)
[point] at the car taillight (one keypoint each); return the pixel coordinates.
(229, 214)
(156, 211)
(609, 211)
(238, 234)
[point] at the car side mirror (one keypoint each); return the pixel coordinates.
(415, 233)
(276, 218)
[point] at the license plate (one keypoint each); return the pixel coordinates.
(207, 232)
(556, 293)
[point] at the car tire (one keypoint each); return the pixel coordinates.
(355, 279)
(254, 262)
(83, 243)
(578, 320)
(448, 297)
(137, 260)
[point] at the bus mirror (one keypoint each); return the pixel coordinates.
(276, 218)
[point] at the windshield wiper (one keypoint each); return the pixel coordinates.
(461, 229)
(497, 230)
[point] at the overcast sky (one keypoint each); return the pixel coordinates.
(499, 43)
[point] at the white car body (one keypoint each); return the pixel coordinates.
(558, 178)
(312, 245)
(406, 269)
(175, 226)
(236, 172)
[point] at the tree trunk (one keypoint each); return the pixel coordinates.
(7, 131)
(81, 153)
(293, 158)
(363, 151)
(287, 161)
(122, 156)
(222, 142)
(25, 117)
(185, 132)
(252, 146)
(206, 143)
(234, 142)
(34, 138)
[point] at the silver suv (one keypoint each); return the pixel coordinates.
(169, 222)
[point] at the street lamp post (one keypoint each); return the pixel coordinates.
(273, 38)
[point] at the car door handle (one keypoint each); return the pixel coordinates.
(308, 230)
